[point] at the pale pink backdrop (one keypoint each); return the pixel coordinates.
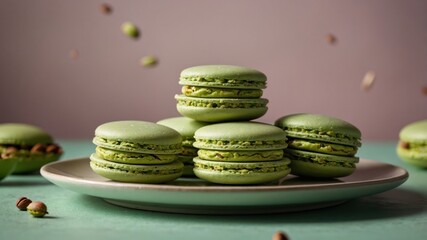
(42, 85)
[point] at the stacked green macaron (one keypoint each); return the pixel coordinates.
(320, 146)
(412, 146)
(221, 93)
(186, 127)
(28, 146)
(240, 153)
(137, 151)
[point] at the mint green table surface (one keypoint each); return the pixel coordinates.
(397, 214)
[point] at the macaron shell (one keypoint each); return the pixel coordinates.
(23, 134)
(214, 115)
(33, 162)
(138, 132)
(241, 131)
(415, 132)
(241, 173)
(184, 126)
(313, 170)
(320, 127)
(240, 136)
(217, 75)
(136, 173)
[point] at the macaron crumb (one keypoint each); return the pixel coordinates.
(279, 235)
(331, 39)
(368, 81)
(105, 8)
(148, 61)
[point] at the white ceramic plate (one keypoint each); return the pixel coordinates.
(196, 196)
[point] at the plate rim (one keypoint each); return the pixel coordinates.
(218, 188)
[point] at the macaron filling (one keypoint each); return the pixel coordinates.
(322, 147)
(413, 146)
(187, 141)
(189, 151)
(221, 82)
(235, 144)
(196, 91)
(221, 103)
(30, 152)
(134, 158)
(137, 147)
(241, 156)
(323, 135)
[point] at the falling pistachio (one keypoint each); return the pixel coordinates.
(105, 8)
(331, 39)
(130, 30)
(148, 61)
(368, 81)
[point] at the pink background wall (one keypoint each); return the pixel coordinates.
(40, 84)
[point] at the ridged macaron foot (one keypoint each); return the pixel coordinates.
(186, 127)
(316, 143)
(30, 146)
(412, 147)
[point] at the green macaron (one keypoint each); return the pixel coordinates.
(240, 153)
(137, 151)
(412, 146)
(220, 93)
(320, 145)
(30, 146)
(186, 127)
